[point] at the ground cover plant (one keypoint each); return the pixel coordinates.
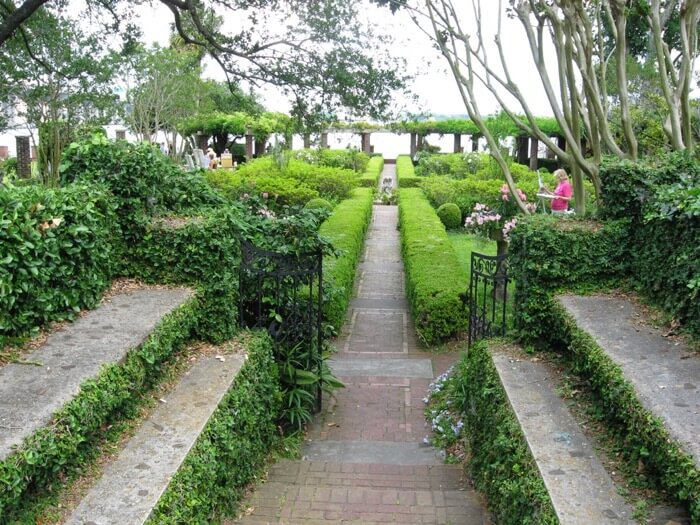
(434, 277)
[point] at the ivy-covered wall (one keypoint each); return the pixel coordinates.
(661, 201)
(548, 254)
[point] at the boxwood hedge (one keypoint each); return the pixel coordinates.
(434, 277)
(370, 178)
(345, 229)
(405, 173)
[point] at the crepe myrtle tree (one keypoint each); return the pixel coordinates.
(586, 37)
(310, 49)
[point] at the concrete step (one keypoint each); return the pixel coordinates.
(304, 492)
(30, 395)
(132, 485)
(580, 489)
(663, 371)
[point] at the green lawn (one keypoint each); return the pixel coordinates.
(464, 244)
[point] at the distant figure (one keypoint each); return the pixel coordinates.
(163, 148)
(213, 163)
(562, 193)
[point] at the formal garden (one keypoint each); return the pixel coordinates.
(505, 332)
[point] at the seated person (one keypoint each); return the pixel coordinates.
(562, 193)
(213, 163)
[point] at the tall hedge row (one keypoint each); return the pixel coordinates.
(345, 229)
(434, 277)
(58, 253)
(662, 204)
(547, 254)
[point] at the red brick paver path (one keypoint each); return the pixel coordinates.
(364, 461)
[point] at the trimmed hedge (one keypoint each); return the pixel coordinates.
(232, 447)
(345, 229)
(434, 277)
(58, 253)
(405, 173)
(643, 435)
(77, 427)
(370, 178)
(500, 462)
(547, 254)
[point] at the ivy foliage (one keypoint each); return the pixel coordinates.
(58, 253)
(499, 462)
(661, 203)
(434, 277)
(547, 254)
(232, 447)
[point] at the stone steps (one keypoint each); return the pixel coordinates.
(580, 489)
(663, 371)
(30, 395)
(131, 486)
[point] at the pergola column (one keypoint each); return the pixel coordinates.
(324, 139)
(413, 144)
(458, 143)
(534, 149)
(475, 141)
(249, 139)
(201, 140)
(365, 142)
(521, 143)
(307, 140)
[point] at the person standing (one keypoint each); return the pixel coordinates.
(562, 193)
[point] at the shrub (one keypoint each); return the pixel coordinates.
(319, 203)
(345, 229)
(59, 250)
(434, 277)
(450, 215)
(405, 173)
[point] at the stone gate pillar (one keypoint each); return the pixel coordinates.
(24, 161)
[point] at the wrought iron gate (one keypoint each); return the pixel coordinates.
(488, 296)
(282, 294)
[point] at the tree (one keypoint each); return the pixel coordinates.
(311, 49)
(58, 79)
(576, 88)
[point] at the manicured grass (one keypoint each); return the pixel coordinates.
(464, 244)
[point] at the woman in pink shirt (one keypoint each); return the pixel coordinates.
(562, 193)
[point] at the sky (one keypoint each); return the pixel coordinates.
(434, 85)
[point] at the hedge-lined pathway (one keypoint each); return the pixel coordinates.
(365, 461)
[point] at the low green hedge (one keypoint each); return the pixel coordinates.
(547, 254)
(232, 447)
(370, 178)
(643, 435)
(500, 462)
(345, 229)
(58, 253)
(405, 173)
(39, 464)
(434, 277)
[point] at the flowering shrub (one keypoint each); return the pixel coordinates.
(485, 221)
(443, 416)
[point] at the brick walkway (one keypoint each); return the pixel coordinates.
(364, 461)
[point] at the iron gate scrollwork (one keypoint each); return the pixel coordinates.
(487, 296)
(282, 293)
